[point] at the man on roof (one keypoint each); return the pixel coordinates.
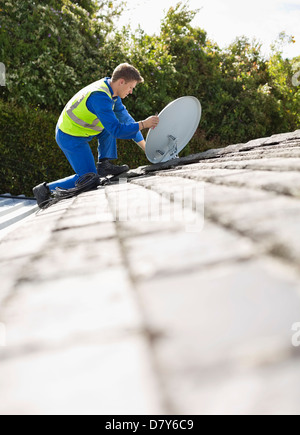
(97, 111)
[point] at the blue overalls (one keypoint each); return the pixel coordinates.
(117, 124)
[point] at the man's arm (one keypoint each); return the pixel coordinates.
(101, 105)
(142, 144)
(124, 116)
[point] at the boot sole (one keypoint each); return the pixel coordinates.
(105, 174)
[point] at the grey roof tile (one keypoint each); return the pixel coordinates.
(176, 286)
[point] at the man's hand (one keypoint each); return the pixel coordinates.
(150, 122)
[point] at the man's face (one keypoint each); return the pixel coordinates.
(126, 88)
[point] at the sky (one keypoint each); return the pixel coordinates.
(224, 20)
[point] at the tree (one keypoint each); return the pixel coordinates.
(285, 88)
(57, 48)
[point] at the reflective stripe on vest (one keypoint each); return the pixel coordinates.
(71, 107)
(79, 121)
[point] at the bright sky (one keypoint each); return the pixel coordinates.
(223, 20)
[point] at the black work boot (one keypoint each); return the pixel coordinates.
(42, 194)
(105, 168)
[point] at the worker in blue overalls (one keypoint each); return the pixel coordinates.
(97, 111)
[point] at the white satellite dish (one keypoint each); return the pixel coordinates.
(178, 122)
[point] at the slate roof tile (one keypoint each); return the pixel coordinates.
(173, 290)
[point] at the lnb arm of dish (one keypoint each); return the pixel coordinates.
(172, 150)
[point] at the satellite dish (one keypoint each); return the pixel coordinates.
(178, 122)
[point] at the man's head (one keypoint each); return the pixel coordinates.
(124, 79)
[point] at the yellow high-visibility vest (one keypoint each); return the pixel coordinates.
(76, 119)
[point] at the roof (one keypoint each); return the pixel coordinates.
(15, 208)
(174, 291)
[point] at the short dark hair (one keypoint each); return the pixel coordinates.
(127, 72)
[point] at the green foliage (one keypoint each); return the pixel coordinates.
(60, 46)
(237, 87)
(285, 90)
(57, 48)
(29, 153)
